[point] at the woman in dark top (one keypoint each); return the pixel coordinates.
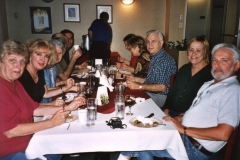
(33, 77)
(190, 78)
(138, 48)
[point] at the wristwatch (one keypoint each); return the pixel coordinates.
(140, 87)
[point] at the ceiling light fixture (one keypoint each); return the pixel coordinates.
(127, 2)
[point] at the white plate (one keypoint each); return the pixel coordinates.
(71, 118)
(153, 119)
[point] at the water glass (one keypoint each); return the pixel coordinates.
(120, 107)
(93, 102)
(120, 89)
(90, 80)
(90, 116)
(88, 91)
(112, 73)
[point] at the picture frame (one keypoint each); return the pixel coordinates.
(71, 12)
(40, 20)
(105, 8)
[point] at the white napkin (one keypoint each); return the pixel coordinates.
(104, 81)
(102, 90)
(139, 100)
(97, 74)
(110, 81)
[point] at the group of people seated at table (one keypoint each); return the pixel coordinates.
(203, 103)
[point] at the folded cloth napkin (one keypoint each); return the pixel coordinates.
(110, 81)
(102, 94)
(139, 100)
(97, 74)
(104, 81)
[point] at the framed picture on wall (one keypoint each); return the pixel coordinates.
(105, 8)
(71, 12)
(40, 20)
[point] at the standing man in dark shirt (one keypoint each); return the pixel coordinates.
(100, 34)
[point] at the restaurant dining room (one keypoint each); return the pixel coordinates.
(110, 111)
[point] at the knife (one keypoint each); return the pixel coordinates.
(150, 115)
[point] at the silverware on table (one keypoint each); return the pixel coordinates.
(150, 115)
(68, 126)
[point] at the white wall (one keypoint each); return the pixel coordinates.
(138, 18)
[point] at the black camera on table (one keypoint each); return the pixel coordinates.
(116, 122)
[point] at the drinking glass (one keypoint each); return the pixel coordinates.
(129, 101)
(120, 89)
(90, 116)
(107, 62)
(88, 91)
(82, 86)
(93, 102)
(90, 80)
(90, 64)
(120, 106)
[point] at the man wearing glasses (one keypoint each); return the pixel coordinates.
(214, 114)
(161, 67)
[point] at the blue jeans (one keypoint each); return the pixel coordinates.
(22, 156)
(159, 99)
(192, 152)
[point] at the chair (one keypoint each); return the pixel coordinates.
(226, 152)
(172, 78)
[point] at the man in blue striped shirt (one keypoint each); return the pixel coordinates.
(162, 66)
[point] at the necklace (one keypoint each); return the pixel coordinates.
(33, 74)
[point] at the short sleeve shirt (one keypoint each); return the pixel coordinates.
(16, 107)
(217, 104)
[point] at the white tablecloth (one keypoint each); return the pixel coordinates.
(100, 137)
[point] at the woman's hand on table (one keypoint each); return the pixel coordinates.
(119, 65)
(77, 102)
(125, 67)
(59, 117)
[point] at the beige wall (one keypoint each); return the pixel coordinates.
(137, 18)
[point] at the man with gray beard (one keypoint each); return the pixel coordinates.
(214, 114)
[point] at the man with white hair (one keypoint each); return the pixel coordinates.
(214, 114)
(161, 67)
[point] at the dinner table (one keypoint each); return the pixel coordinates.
(75, 137)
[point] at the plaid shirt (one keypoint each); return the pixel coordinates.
(162, 66)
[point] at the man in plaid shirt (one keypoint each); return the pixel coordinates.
(162, 66)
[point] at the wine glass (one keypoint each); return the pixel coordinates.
(129, 101)
(88, 91)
